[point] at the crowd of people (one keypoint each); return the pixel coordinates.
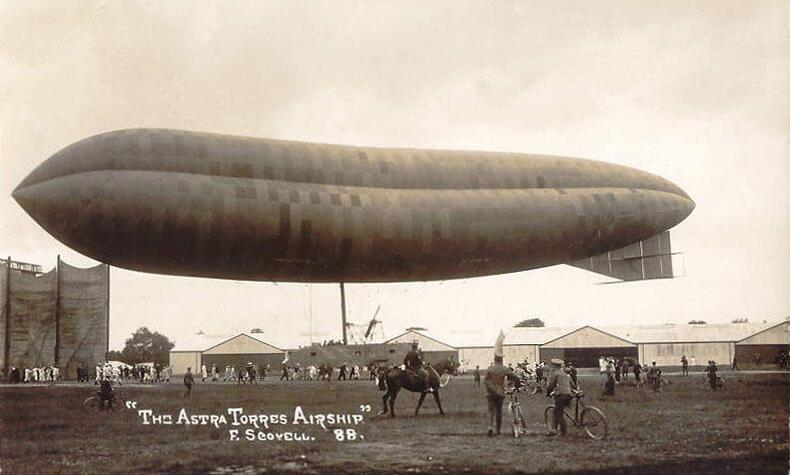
(34, 375)
(121, 373)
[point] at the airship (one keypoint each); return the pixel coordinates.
(218, 206)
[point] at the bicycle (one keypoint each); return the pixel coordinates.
(94, 403)
(589, 418)
(519, 424)
(719, 382)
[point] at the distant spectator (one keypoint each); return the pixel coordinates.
(713, 378)
(189, 381)
(610, 380)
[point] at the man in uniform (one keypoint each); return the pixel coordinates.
(562, 386)
(189, 381)
(495, 386)
(684, 364)
(413, 361)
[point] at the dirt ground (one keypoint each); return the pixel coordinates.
(686, 427)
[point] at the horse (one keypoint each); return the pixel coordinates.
(392, 380)
(325, 373)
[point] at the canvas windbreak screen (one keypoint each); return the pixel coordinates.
(31, 324)
(83, 317)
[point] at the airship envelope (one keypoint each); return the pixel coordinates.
(207, 205)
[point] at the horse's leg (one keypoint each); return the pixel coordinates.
(392, 404)
(384, 401)
(419, 404)
(438, 401)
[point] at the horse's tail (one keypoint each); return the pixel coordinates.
(436, 378)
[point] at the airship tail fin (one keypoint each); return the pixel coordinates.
(647, 259)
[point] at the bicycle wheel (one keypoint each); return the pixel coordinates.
(532, 386)
(92, 403)
(594, 423)
(444, 380)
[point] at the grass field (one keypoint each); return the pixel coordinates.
(688, 428)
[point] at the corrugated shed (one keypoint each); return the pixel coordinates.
(536, 335)
(420, 336)
(684, 333)
(199, 342)
(203, 342)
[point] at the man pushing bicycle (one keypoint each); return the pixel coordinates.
(561, 386)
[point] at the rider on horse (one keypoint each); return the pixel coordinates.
(413, 361)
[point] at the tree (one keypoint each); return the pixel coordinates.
(530, 323)
(416, 329)
(741, 320)
(145, 346)
(113, 355)
(697, 322)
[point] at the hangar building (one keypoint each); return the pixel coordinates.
(335, 355)
(665, 344)
(432, 349)
(222, 350)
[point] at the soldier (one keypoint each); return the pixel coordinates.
(477, 375)
(684, 363)
(562, 387)
(495, 386)
(413, 361)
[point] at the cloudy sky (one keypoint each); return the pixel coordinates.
(694, 91)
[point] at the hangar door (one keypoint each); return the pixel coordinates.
(585, 345)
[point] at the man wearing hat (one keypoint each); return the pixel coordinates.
(495, 386)
(562, 386)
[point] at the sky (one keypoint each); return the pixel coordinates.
(696, 92)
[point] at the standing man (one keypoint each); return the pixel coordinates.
(342, 374)
(574, 374)
(610, 380)
(654, 377)
(495, 386)
(561, 385)
(189, 381)
(477, 375)
(713, 378)
(684, 363)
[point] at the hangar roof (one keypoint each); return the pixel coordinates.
(414, 335)
(536, 335)
(663, 333)
(203, 342)
(679, 333)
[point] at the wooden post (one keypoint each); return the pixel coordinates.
(57, 314)
(107, 346)
(343, 310)
(7, 339)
